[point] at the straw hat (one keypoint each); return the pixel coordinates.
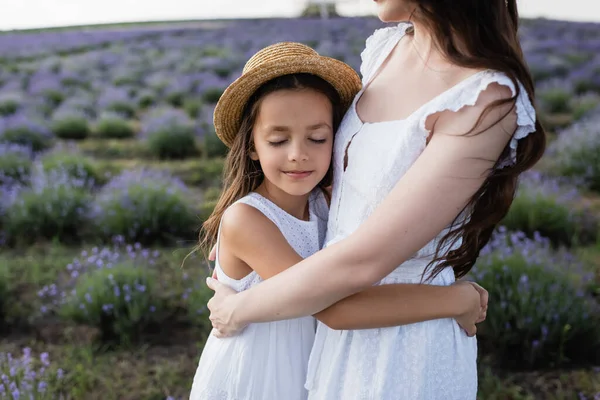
(274, 61)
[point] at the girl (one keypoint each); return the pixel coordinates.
(280, 118)
(426, 163)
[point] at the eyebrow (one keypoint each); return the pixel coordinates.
(283, 128)
(278, 128)
(319, 125)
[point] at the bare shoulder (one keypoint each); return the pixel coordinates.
(255, 240)
(244, 226)
(241, 218)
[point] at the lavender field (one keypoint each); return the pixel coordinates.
(109, 163)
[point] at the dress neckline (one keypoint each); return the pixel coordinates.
(311, 215)
(418, 109)
(402, 28)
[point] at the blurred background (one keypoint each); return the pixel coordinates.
(45, 13)
(109, 164)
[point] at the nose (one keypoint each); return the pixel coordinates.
(298, 152)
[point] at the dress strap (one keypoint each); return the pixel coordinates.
(266, 207)
(378, 48)
(268, 210)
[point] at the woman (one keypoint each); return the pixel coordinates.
(425, 166)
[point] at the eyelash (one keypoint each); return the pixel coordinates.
(277, 144)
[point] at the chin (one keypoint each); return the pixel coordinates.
(388, 17)
(383, 17)
(392, 13)
(298, 190)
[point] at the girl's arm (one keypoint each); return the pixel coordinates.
(251, 237)
(401, 304)
(427, 198)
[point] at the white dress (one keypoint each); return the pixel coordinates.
(433, 360)
(267, 361)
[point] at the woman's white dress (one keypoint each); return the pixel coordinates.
(433, 360)
(267, 361)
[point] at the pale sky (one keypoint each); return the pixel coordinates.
(16, 14)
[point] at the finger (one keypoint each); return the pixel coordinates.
(216, 333)
(214, 275)
(471, 330)
(477, 287)
(212, 283)
(484, 298)
(213, 253)
(482, 317)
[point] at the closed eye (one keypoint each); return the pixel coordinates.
(279, 143)
(318, 140)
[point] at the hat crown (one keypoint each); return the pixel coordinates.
(279, 51)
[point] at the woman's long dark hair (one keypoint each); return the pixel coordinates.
(482, 34)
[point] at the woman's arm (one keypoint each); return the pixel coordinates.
(425, 201)
(254, 239)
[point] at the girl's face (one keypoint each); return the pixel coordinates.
(394, 10)
(293, 138)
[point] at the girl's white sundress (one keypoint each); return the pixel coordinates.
(267, 361)
(433, 360)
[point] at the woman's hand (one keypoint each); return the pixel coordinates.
(475, 299)
(222, 306)
(213, 253)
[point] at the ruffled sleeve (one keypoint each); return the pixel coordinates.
(468, 95)
(377, 48)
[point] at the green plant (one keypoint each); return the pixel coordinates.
(212, 95)
(15, 164)
(4, 292)
(541, 314)
(52, 212)
(213, 146)
(576, 153)
(113, 126)
(212, 193)
(75, 166)
(70, 126)
(26, 132)
(170, 135)
(145, 206)
(10, 104)
(545, 206)
(192, 106)
(555, 100)
(121, 301)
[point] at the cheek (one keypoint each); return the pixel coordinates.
(270, 159)
(325, 154)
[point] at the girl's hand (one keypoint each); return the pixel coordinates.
(222, 306)
(475, 299)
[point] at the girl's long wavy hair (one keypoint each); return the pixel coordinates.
(482, 34)
(243, 175)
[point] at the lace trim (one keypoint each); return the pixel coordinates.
(526, 116)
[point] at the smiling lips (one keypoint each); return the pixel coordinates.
(297, 174)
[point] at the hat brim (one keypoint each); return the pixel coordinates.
(230, 107)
